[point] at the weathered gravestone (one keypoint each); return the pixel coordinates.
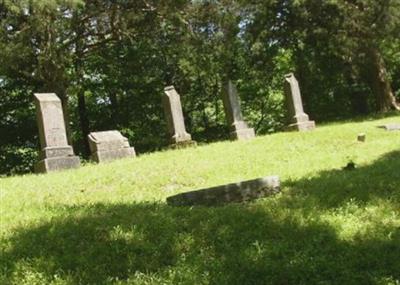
(55, 152)
(175, 121)
(238, 127)
(391, 127)
(235, 192)
(109, 145)
(298, 120)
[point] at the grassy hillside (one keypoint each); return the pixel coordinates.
(109, 224)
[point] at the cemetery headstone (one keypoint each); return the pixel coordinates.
(238, 127)
(391, 127)
(175, 121)
(298, 120)
(55, 152)
(230, 193)
(109, 145)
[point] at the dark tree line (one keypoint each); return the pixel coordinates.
(110, 60)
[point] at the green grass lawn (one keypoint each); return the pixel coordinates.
(109, 224)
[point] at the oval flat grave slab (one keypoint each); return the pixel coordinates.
(391, 127)
(229, 193)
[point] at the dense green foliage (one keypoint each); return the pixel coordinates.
(109, 224)
(110, 60)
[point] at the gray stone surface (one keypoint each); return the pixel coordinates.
(391, 127)
(182, 145)
(298, 120)
(238, 127)
(361, 137)
(175, 121)
(57, 164)
(109, 145)
(55, 152)
(235, 192)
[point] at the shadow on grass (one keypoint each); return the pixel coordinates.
(236, 244)
(333, 188)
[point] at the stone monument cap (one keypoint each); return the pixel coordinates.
(49, 97)
(168, 88)
(107, 136)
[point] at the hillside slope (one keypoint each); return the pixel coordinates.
(109, 224)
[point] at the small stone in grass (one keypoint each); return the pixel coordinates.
(361, 137)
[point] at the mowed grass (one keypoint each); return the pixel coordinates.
(109, 224)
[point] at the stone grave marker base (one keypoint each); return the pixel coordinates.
(59, 151)
(302, 127)
(243, 134)
(57, 164)
(183, 144)
(106, 156)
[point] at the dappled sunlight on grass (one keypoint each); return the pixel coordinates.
(109, 224)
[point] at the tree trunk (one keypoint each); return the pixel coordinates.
(379, 83)
(84, 121)
(82, 108)
(358, 97)
(359, 102)
(64, 102)
(114, 107)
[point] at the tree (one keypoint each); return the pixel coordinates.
(109, 61)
